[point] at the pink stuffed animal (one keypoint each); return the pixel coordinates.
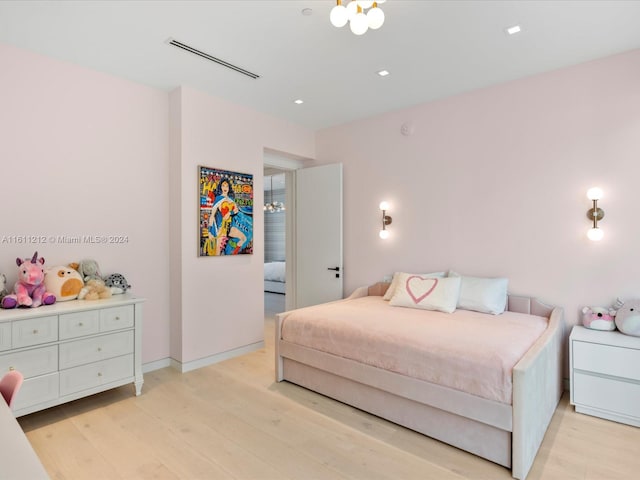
(598, 318)
(29, 290)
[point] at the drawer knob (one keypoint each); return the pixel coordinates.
(99, 349)
(117, 318)
(81, 324)
(35, 331)
(99, 374)
(11, 368)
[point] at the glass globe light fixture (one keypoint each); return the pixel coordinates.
(359, 24)
(595, 234)
(365, 3)
(352, 9)
(375, 18)
(594, 193)
(384, 234)
(339, 15)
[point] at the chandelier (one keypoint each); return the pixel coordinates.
(361, 15)
(273, 207)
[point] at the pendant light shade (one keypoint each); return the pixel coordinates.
(361, 15)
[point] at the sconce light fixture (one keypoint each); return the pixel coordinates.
(386, 220)
(595, 214)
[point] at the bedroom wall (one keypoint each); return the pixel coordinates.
(85, 153)
(493, 183)
(218, 301)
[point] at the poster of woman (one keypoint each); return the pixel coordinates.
(226, 212)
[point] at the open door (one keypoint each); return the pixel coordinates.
(318, 235)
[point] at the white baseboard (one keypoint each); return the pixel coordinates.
(218, 357)
(156, 365)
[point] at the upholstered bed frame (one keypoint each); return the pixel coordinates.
(509, 435)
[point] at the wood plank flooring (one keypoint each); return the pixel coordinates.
(232, 421)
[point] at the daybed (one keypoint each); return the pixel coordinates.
(274, 277)
(507, 429)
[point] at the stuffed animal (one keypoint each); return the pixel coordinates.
(599, 318)
(94, 290)
(3, 286)
(117, 283)
(89, 270)
(29, 290)
(628, 316)
(64, 282)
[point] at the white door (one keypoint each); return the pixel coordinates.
(318, 235)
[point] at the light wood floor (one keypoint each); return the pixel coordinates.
(231, 421)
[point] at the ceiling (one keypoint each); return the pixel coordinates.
(433, 49)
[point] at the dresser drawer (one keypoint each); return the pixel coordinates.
(31, 363)
(74, 325)
(5, 336)
(116, 318)
(34, 331)
(95, 374)
(95, 349)
(606, 359)
(606, 394)
(37, 390)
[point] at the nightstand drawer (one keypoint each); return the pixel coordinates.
(37, 390)
(34, 331)
(78, 324)
(95, 349)
(603, 393)
(5, 336)
(116, 318)
(606, 360)
(31, 363)
(95, 374)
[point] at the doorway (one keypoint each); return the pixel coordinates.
(275, 238)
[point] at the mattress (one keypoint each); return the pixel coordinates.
(468, 351)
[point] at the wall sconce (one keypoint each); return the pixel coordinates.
(595, 233)
(386, 220)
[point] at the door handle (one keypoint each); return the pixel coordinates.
(335, 269)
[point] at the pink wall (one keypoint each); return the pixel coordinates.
(218, 301)
(84, 153)
(493, 183)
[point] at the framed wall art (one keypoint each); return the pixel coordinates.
(226, 212)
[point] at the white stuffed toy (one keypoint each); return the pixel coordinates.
(628, 316)
(599, 318)
(64, 282)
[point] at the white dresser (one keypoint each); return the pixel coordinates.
(605, 374)
(72, 349)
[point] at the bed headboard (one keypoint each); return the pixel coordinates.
(515, 303)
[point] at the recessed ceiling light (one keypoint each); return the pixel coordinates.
(383, 73)
(513, 30)
(298, 102)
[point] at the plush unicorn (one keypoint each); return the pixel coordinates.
(29, 290)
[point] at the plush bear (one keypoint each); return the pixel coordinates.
(599, 318)
(94, 290)
(117, 283)
(29, 290)
(64, 282)
(628, 316)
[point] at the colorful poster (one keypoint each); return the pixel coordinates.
(226, 212)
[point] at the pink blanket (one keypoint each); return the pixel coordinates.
(469, 351)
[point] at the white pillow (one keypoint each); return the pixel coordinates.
(427, 293)
(485, 295)
(396, 276)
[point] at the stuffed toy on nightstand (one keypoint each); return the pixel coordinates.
(599, 318)
(628, 316)
(64, 282)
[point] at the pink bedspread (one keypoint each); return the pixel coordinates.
(469, 351)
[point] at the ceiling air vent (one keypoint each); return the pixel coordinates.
(211, 58)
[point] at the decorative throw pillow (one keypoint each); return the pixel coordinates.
(427, 293)
(396, 277)
(485, 295)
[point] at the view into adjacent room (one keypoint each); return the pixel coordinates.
(274, 241)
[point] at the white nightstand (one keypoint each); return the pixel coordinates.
(605, 374)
